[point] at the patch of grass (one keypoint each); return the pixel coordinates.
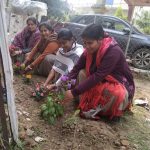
(19, 146)
(136, 127)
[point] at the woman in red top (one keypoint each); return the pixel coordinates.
(106, 85)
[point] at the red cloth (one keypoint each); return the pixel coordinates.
(93, 97)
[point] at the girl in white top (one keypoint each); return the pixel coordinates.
(66, 57)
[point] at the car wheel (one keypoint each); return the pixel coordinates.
(141, 58)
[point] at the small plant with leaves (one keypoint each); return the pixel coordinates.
(73, 119)
(18, 68)
(39, 92)
(51, 110)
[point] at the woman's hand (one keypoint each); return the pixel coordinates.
(44, 85)
(50, 87)
(28, 68)
(68, 97)
(16, 52)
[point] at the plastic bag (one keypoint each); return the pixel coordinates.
(27, 7)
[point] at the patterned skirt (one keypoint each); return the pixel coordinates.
(109, 98)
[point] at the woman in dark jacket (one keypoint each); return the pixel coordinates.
(106, 85)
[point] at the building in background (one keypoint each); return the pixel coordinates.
(97, 6)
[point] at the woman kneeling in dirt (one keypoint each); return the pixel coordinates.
(66, 57)
(106, 85)
(26, 39)
(48, 45)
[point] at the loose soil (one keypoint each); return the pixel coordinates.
(131, 133)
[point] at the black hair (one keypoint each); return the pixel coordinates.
(65, 34)
(46, 25)
(93, 31)
(33, 19)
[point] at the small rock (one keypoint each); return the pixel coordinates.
(135, 146)
(39, 139)
(123, 148)
(105, 138)
(29, 132)
(72, 126)
(58, 143)
(117, 143)
(28, 119)
(125, 142)
(75, 146)
(25, 113)
(78, 130)
(19, 112)
(69, 144)
(122, 137)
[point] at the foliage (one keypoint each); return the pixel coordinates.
(120, 14)
(57, 8)
(51, 110)
(73, 119)
(18, 68)
(143, 21)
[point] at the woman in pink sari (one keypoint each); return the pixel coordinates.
(106, 86)
(26, 39)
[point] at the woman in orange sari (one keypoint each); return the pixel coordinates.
(42, 56)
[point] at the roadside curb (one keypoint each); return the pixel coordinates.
(141, 73)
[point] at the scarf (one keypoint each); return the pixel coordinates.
(105, 44)
(93, 97)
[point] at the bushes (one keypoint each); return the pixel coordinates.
(120, 14)
(143, 21)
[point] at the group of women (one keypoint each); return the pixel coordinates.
(105, 85)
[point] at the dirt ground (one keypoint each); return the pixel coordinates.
(131, 133)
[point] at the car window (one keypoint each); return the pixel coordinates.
(108, 24)
(119, 26)
(99, 19)
(86, 20)
(114, 24)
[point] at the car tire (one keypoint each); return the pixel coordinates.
(141, 58)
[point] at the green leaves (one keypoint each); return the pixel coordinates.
(45, 113)
(61, 96)
(43, 107)
(73, 119)
(51, 110)
(51, 120)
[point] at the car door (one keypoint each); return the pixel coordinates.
(98, 19)
(115, 28)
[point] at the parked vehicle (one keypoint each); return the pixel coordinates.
(139, 47)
